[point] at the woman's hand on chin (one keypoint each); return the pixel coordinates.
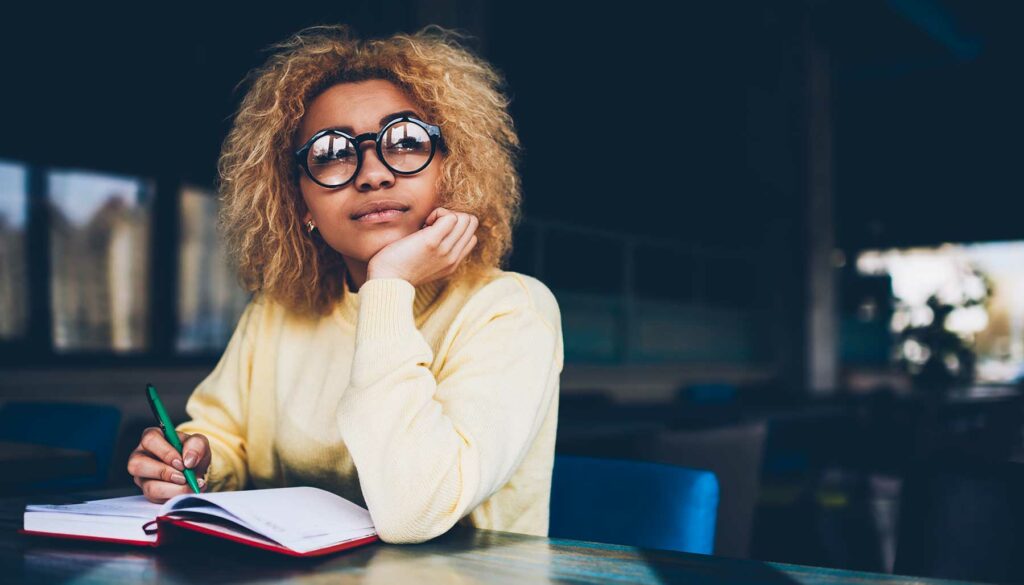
(431, 253)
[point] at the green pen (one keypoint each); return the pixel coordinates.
(169, 432)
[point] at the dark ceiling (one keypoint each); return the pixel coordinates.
(927, 109)
(928, 121)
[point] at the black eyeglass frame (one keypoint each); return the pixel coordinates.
(433, 131)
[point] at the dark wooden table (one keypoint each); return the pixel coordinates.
(460, 556)
(28, 462)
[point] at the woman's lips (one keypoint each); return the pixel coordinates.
(380, 216)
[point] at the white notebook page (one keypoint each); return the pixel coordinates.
(133, 506)
(301, 518)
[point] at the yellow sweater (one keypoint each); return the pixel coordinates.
(428, 405)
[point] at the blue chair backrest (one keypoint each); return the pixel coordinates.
(82, 426)
(634, 503)
(710, 393)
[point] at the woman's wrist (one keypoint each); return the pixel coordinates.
(379, 275)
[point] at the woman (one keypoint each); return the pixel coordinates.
(369, 194)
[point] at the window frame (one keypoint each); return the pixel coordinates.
(36, 348)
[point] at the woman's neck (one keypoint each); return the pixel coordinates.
(355, 272)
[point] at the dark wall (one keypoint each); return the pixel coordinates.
(928, 122)
(154, 95)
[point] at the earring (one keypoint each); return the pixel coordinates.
(310, 226)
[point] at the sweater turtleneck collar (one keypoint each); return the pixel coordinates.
(347, 307)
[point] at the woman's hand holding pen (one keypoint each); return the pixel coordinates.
(157, 466)
(429, 254)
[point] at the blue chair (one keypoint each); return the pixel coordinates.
(635, 503)
(710, 393)
(82, 426)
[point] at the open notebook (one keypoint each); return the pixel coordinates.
(298, 521)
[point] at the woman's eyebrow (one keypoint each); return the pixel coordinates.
(387, 118)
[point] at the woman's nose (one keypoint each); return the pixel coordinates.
(373, 174)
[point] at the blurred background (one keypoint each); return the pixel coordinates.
(796, 257)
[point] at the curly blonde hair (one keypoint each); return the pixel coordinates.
(261, 204)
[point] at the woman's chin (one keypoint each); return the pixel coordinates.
(369, 243)
(372, 245)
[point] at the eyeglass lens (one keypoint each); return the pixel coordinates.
(406, 148)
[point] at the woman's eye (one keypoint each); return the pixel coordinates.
(407, 144)
(340, 155)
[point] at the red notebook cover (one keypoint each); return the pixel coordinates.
(163, 535)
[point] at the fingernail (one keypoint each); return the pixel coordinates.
(202, 482)
(177, 465)
(178, 478)
(190, 459)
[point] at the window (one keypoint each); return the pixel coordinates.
(99, 232)
(97, 269)
(979, 288)
(13, 269)
(209, 299)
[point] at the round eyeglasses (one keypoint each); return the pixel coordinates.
(332, 158)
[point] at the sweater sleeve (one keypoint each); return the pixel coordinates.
(429, 451)
(217, 407)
